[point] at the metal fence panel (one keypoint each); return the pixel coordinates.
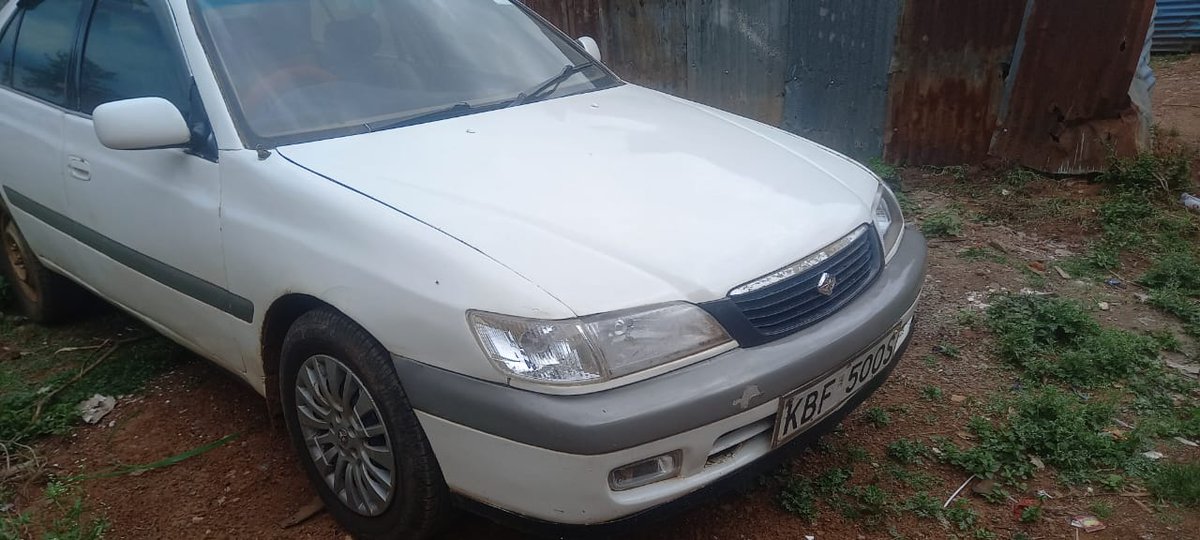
(647, 43)
(1177, 26)
(737, 55)
(836, 90)
(947, 79)
(1069, 105)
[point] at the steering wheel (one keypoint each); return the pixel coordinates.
(282, 80)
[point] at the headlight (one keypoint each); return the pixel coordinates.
(598, 347)
(888, 220)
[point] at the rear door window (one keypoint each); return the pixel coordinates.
(43, 48)
(131, 51)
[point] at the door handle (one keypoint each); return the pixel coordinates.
(79, 168)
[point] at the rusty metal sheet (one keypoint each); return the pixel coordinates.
(947, 79)
(576, 18)
(836, 91)
(1069, 105)
(737, 56)
(647, 43)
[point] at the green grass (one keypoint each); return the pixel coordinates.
(1056, 426)
(883, 169)
(877, 417)
(1148, 172)
(799, 498)
(24, 381)
(1020, 176)
(61, 517)
(1177, 483)
(907, 206)
(981, 253)
(932, 393)
(948, 350)
(921, 504)
(1057, 345)
(1101, 509)
(907, 451)
(941, 224)
(1058, 338)
(916, 480)
(38, 372)
(960, 515)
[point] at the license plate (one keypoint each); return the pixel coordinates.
(802, 408)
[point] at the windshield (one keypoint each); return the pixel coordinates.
(300, 70)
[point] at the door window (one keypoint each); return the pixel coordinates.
(7, 41)
(43, 49)
(131, 52)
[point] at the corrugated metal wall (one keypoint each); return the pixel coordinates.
(737, 56)
(1067, 111)
(924, 82)
(730, 54)
(837, 85)
(952, 58)
(1177, 26)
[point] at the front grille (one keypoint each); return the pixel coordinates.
(786, 306)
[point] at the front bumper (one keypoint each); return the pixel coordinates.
(548, 457)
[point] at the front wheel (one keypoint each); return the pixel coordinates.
(358, 438)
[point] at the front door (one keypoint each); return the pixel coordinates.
(150, 219)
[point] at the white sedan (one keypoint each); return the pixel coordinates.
(465, 261)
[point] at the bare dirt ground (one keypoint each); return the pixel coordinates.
(1176, 103)
(246, 488)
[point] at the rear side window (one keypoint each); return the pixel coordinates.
(43, 49)
(131, 51)
(7, 40)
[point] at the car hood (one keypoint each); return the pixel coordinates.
(610, 199)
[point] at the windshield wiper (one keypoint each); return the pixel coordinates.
(458, 109)
(549, 85)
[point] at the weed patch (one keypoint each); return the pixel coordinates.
(1051, 337)
(878, 417)
(942, 223)
(25, 382)
(64, 517)
(906, 451)
(1050, 424)
(1177, 483)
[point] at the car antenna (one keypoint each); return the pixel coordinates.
(263, 154)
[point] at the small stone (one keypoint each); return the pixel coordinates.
(957, 398)
(197, 519)
(1104, 306)
(1037, 462)
(1152, 455)
(985, 487)
(1062, 273)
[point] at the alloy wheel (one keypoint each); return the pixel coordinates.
(345, 435)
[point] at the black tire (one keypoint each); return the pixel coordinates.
(420, 499)
(44, 296)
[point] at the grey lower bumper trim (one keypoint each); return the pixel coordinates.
(681, 400)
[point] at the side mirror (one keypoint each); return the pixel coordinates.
(140, 124)
(591, 47)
